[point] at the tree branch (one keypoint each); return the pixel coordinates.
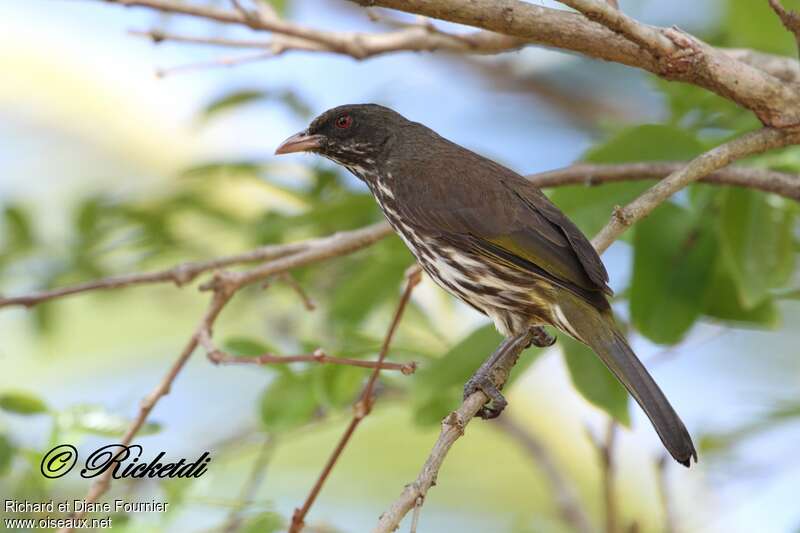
(453, 427)
(362, 407)
(566, 498)
(789, 18)
(223, 286)
(217, 356)
(605, 452)
(669, 53)
(782, 183)
(337, 244)
(751, 143)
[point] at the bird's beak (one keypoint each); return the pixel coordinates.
(300, 142)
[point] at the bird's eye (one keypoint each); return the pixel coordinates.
(343, 121)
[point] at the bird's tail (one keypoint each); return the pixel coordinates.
(599, 331)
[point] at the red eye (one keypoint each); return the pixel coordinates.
(344, 121)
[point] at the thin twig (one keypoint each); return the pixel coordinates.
(247, 495)
(415, 516)
(287, 278)
(789, 18)
(567, 501)
(453, 427)
(781, 183)
(219, 357)
(223, 286)
(362, 407)
(748, 144)
(663, 492)
(220, 62)
(185, 273)
(608, 473)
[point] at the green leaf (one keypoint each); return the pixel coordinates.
(246, 347)
(7, 451)
(647, 142)
(96, 420)
(241, 97)
(337, 385)
(287, 402)
(591, 207)
(22, 403)
(268, 522)
(594, 380)
(757, 243)
(377, 279)
(750, 24)
(438, 387)
(222, 168)
(674, 257)
(723, 302)
(18, 229)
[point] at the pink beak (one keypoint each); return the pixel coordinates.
(299, 142)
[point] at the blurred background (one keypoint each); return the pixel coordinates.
(108, 168)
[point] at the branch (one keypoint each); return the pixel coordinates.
(566, 498)
(223, 286)
(668, 53)
(663, 492)
(751, 143)
(181, 274)
(290, 36)
(453, 427)
(247, 494)
(362, 407)
(605, 451)
(789, 18)
(217, 356)
(771, 181)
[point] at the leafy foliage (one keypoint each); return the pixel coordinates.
(595, 382)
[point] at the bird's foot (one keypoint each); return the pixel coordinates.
(483, 382)
(542, 339)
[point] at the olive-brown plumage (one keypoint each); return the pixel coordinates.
(487, 235)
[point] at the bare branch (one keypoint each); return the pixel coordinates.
(781, 183)
(234, 521)
(224, 286)
(362, 407)
(217, 356)
(648, 37)
(337, 244)
(789, 18)
(605, 452)
(663, 492)
(782, 67)
(716, 158)
(668, 53)
(220, 62)
(287, 278)
(566, 497)
(452, 429)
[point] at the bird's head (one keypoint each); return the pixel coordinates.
(351, 135)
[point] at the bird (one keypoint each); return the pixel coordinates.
(491, 238)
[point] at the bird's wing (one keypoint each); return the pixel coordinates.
(502, 215)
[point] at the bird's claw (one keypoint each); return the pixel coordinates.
(542, 339)
(484, 383)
